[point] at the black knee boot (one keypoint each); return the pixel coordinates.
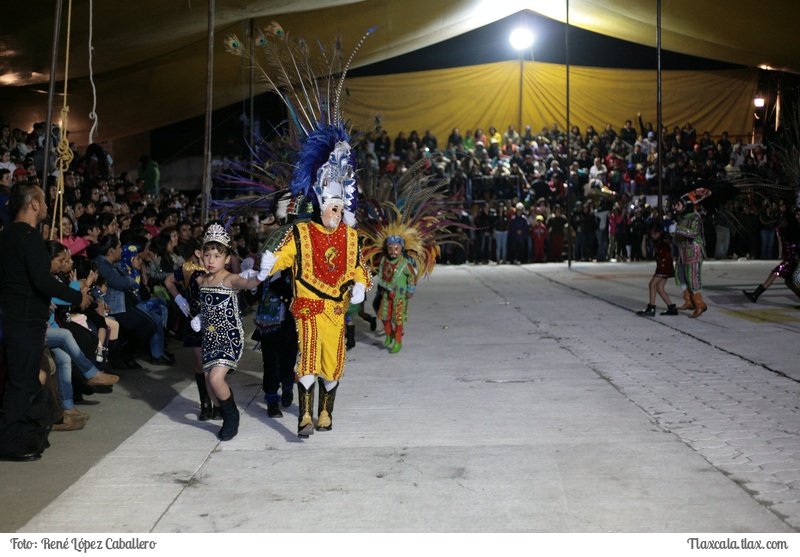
(325, 408)
(230, 419)
(755, 293)
(305, 410)
(206, 407)
(350, 331)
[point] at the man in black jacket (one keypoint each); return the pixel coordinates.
(26, 288)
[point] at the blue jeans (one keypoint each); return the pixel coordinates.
(64, 377)
(767, 241)
(502, 245)
(63, 339)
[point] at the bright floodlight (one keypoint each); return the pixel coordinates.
(758, 101)
(521, 38)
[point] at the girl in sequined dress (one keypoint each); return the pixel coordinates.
(221, 323)
(789, 234)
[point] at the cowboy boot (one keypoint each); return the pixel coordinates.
(305, 410)
(699, 304)
(325, 407)
(206, 407)
(649, 312)
(671, 310)
(687, 301)
(230, 419)
(755, 293)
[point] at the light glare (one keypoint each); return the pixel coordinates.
(521, 38)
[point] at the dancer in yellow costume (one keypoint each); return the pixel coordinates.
(329, 274)
(324, 253)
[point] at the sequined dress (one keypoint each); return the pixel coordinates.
(222, 327)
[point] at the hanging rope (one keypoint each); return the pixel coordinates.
(92, 114)
(64, 152)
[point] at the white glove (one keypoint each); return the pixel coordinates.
(267, 263)
(672, 228)
(247, 274)
(183, 305)
(196, 323)
(358, 294)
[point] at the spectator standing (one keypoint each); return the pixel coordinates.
(151, 173)
(26, 288)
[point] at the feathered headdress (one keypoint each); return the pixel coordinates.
(312, 89)
(414, 208)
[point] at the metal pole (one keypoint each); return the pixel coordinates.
(660, 136)
(209, 111)
(252, 138)
(568, 182)
(51, 93)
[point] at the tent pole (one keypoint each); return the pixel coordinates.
(660, 136)
(252, 94)
(209, 111)
(568, 181)
(51, 94)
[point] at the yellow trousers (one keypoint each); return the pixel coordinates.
(322, 346)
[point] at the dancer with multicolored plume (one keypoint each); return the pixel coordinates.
(403, 225)
(323, 253)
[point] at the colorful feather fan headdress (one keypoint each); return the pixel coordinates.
(312, 90)
(414, 208)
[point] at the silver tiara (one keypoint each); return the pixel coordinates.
(216, 233)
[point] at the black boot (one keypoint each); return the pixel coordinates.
(230, 419)
(325, 407)
(287, 395)
(671, 310)
(649, 312)
(273, 405)
(206, 407)
(755, 293)
(305, 411)
(350, 331)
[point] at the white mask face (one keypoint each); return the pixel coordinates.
(332, 215)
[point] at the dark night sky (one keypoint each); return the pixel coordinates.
(490, 44)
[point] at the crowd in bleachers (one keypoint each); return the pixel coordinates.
(595, 191)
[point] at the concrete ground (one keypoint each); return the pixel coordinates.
(526, 398)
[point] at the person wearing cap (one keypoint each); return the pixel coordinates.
(20, 175)
(398, 280)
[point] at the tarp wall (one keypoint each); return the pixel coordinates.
(485, 95)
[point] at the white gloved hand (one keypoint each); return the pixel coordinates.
(267, 263)
(247, 274)
(358, 294)
(672, 228)
(196, 323)
(183, 305)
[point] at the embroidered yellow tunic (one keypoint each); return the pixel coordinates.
(324, 263)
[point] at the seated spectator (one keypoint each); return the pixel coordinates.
(123, 299)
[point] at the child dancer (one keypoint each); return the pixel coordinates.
(186, 277)
(664, 270)
(221, 322)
